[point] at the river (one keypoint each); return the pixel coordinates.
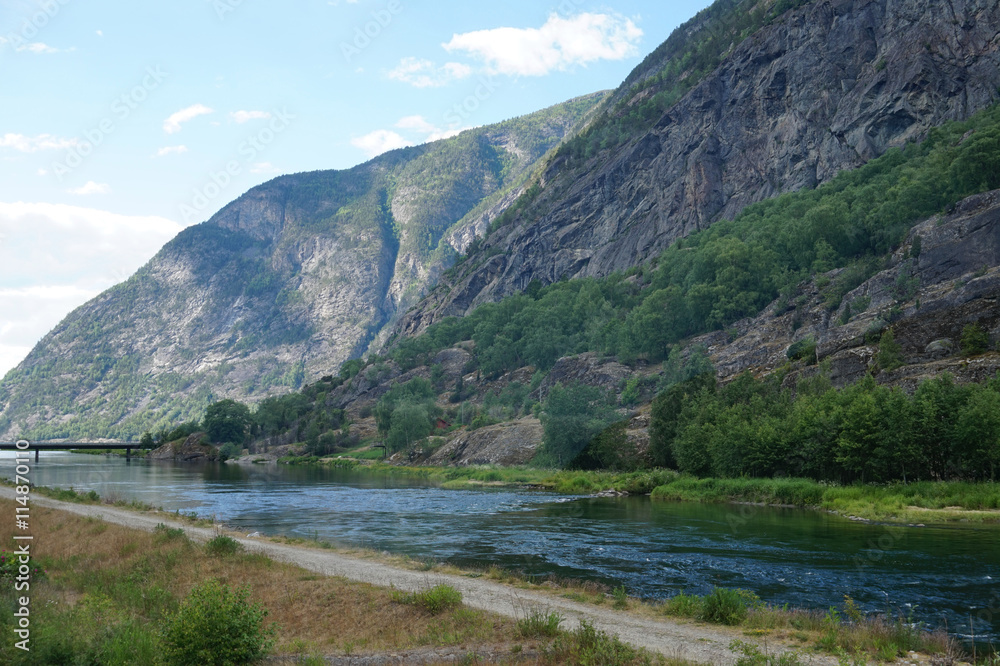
(941, 575)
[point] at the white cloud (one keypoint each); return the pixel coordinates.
(172, 125)
(423, 126)
(37, 47)
(91, 188)
(43, 171)
(425, 74)
(100, 33)
(558, 45)
(264, 167)
(380, 141)
(32, 144)
(171, 150)
(245, 116)
(57, 257)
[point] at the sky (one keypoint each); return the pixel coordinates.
(121, 123)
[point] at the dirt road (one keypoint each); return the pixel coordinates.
(699, 643)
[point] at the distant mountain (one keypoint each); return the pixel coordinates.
(748, 100)
(281, 286)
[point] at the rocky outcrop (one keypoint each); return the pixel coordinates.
(925, 300)
(193, 448)
(590, 369)
(825, 88)
(510, 443)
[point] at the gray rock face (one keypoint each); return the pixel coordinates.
(510, 443)
(828, 87)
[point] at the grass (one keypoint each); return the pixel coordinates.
(108, 589)
(925, 501)
(435, 600)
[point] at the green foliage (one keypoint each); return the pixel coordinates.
(406, 413)
(536, 624)
(803, 350)
(609, 450)
(728, 606)
(435, 600)
(571, 416)
(230, 450)
(217, 626)
(589, 646)
(621, 598)
(865, 432)
(889, 355)
(227, 421)
(223, 546)
(975, 340)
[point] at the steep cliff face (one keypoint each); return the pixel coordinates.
(826, 87)
(280, 287)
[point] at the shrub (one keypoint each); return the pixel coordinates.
(217, 626)
(803, 350)
(683, 605)
(589, 646)
(974, 340)
(434, 600)
(889, 352)
(537, 624)
(725, 606)
(621, 597)
(223, 545)
(163, 533)
(229, 450)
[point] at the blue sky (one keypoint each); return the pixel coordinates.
(123, 122)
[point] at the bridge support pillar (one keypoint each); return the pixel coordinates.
(36, 455)
(128, 454)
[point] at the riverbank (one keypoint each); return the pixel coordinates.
(97, 557)
(922, 502)
(119, 574)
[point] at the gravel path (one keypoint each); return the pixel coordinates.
(699, 643)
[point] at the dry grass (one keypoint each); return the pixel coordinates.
(109, 586)
(144, 575)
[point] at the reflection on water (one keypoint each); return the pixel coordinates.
(808, 559)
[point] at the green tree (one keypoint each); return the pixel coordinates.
(975, 340)
(889, 355)
(571, 416)
(227, 421)
(146, 441)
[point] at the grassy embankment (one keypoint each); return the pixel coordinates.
(920, 502)
(108, 593)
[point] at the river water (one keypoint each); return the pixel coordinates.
(943, 576)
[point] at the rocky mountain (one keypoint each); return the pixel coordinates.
(814, 91)
(749, 100)
(279, 287)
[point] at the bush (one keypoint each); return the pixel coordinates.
(803, 350)
(589, 646)
(217, 626)
(974, 340)
(229, 450)
(725, 606)
(222, 545)
(537, 624)
(435, 600)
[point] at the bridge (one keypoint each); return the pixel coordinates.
(67, 446)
